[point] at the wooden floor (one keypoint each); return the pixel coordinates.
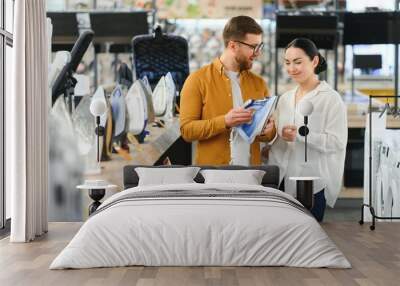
(374, 255)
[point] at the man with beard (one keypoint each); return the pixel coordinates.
(211, 99)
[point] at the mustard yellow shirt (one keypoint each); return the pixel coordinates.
(206, 97)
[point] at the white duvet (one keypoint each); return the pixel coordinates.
(188, 231)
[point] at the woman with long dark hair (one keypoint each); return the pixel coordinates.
(327, 138)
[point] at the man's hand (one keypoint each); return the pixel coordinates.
(237, 116)
(289, 133)
(268, 128)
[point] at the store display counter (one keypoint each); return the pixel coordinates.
(159, 144)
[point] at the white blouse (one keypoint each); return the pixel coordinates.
(326, 141)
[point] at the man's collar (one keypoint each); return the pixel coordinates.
(220, 67)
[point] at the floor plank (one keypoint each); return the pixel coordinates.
(374, 255)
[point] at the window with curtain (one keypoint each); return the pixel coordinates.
(6, 44)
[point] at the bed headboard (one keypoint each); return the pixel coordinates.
(270, 179)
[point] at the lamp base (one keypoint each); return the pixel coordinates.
(304, 192)
(96, 195)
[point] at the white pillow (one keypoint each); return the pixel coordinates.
(164, 176)
(248, 177)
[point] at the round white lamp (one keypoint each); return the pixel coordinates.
(305, 109)
(98, 108)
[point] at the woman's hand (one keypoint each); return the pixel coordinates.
(268, 128)
(289, 133)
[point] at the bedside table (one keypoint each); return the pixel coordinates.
(96, 193)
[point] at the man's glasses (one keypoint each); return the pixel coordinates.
(256, 48)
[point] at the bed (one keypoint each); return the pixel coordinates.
(201, 224)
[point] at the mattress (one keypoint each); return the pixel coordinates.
(201, 225)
